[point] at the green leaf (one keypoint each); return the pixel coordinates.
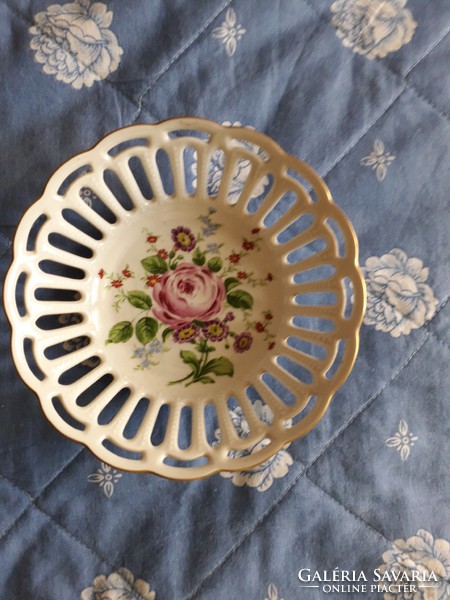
(198, 323)
(146, 329)
(240, 299)
(206, 379)
(231, 282)
(198, 257)
(215, 264)
(154, 264)
(166, 333)
(171, 254)
(139, 299)
(190, 359)
(219, 366)
(120, 332)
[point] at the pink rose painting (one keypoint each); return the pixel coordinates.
(187, 293)
(192, 296)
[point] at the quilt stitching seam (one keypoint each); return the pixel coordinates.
(381, 390)
(178, 55)
(384, 66)
(430, 49)
(237, 545)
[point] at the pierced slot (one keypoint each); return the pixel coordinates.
(34, 232)
(90, 198)
(135, 421)
(293, 368)
(159, 430)
(121, 452)
(94, 390)
(19, 294)
(278, 388)
(69, 180)
(117, 188)
(307, 250)
(65, 415)
(185, 428)
(28, 351)
(140, 176)
(297, 227)
(82, 224)
(113, 406)
(118, 148)
(287, 200)
(62, 242)
(165, 171)
(80, 370)
(52, 267)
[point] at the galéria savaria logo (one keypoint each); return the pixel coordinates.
(379, 580)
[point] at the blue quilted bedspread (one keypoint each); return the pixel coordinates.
(359, 89)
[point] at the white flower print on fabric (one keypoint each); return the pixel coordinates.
(379, 160)
(403, 440)
(373, 28)
(72, 42)
(229, 33)
(120, 585)
(106, 477)
(272, 593)
(398, 299)
(276, 467)
(424, 554)
(240, 175)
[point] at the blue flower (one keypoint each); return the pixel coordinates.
(156, 347)
(210, 229)
(145, 363)
(139, 352)
(213, 248)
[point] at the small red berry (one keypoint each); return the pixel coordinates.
(242, 275)
(126, 273)
(101, 273)
(163, 253)
(248, 245)
(259, 327)
(234, 258)
(256, 230)
(152, 239)
(116, 283)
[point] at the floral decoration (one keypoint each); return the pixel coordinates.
(373, 28)
(120, 585)
(78, 342)
(106, 477)
(73, 42)
(262, 476)
(424, 554)
(398, 299)
(403, 440)
(191, 292)
(379, 160)
(272, 593)
(230, 32)
(240, 175)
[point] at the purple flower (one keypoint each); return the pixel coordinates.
(228, 317)
(215, 330)
(243, 342)
(184, 238)
(185, 333)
